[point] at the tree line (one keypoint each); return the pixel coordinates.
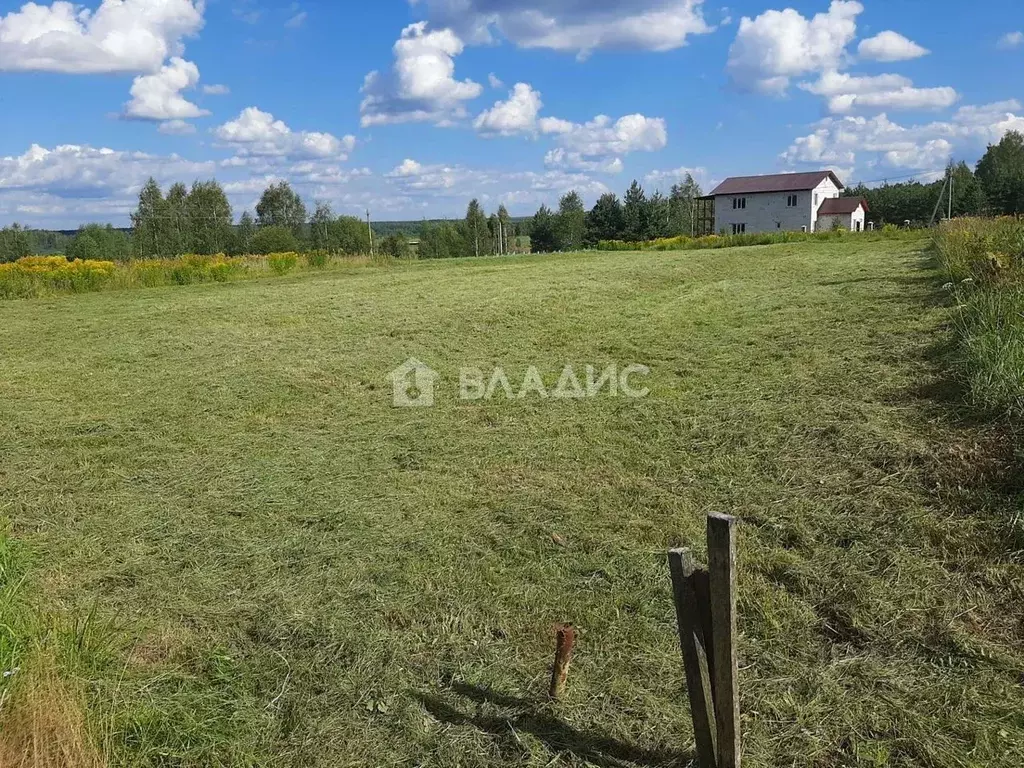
(199, 220)
(638, 216)
(995, 187)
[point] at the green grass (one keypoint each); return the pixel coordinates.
(984, 260)
(298, 574)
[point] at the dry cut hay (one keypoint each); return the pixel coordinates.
(42, 721)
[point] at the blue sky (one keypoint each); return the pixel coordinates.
(412, 108)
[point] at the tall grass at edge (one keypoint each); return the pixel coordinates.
(984, 262)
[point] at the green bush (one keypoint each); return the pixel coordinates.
(270, 240)
(317, 259)
(395, 246)
(282, 263)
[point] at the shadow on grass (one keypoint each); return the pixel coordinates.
(524, 716)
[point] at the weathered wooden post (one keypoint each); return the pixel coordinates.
(705, 602)
(694, 647)
(566, 634)
(722, 577)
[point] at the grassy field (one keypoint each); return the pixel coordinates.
(278, 567)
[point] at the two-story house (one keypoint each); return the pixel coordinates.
(784, 201)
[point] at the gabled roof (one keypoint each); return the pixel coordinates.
(779, 182)
(837, 205)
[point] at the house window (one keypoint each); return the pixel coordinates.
(815, 199)
(792, 201)
(739, 229)
(739, 203)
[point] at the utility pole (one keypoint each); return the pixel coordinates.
(370, 230)
(950, 217)
(938, 203)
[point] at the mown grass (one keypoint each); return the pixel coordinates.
(984, 260)
(296, 573)
(712, 242)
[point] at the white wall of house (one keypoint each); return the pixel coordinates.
(818, 195)
(859, 217)
(846, 220)
(765, 212)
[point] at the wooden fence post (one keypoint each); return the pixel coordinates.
(705, 602)
(694, 646)
(722, 577)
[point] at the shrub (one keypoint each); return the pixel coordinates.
(395, 246)
(317, 259)
(268, 240)
(282, 263)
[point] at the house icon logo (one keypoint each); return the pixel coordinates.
(413, 384)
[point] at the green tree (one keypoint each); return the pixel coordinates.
(272, 239)
(351, 235)
(505, 233)
(605, 220)
(244, 234)
(101, 243)
(281, 206)
(177, 233)
(635, 214)
(658, 216)
(320, 225)
(571, 226)
(543, 231)
(443, 241)
(1001, 172)
(968, 195)
(682, 201)
(210, 219)
(15, 243)
(476, 227)
(149, 225)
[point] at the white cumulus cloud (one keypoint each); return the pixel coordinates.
(421, 86)
(664, 180)
(573, 25)
(848, 93)
(890, 46)
(120, 36)
(778, 45)
(255, 133)
(159, 96)
(602, 137)
(176, 128)
(72, 171)
(879, 141)
(576, 161)
(517, 115)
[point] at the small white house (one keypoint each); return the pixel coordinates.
(846, 213)
(780, 202)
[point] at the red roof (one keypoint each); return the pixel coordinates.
(779, 182)
(837, 205)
